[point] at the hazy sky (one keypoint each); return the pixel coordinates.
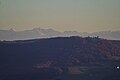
(61, 15)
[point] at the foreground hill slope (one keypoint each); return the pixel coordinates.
(59, 54)
(70, 50)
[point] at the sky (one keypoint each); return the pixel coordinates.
(61, 15)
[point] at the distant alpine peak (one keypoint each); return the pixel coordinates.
(38, 28)
(11, 29)
(38, 32)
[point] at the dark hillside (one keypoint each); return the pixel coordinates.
(56, 55)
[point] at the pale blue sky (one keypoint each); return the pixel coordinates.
(61, 15)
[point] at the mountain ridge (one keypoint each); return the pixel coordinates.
(10, 35)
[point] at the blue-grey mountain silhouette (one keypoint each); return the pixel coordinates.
(37, 33)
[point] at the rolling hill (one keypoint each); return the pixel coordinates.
(53, 57)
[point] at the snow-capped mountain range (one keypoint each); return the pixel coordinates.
(37, 33)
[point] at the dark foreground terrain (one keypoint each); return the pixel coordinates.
(61, 58)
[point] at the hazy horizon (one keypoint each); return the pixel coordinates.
(58, 30)
(60, 15)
